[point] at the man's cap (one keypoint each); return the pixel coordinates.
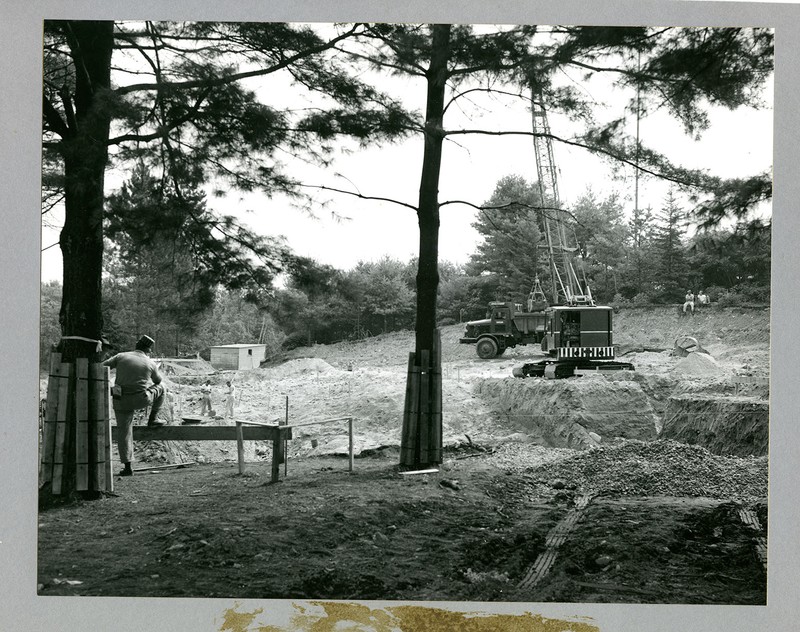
(145, 342)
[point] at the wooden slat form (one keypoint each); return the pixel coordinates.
(82, 424)
(409, 455)
(435, 443)
(97, 427)
(405, 437)
(62, 416)
(50, 417)
(423, 435)
(207, 433)
(109, 474)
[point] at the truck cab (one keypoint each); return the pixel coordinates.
(505, 325)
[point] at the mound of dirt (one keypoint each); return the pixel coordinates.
(698, 365)
(574, 413)
(737, 425)
(183, 367)
(658, 468)
(304, 365)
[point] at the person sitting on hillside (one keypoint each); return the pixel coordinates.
(688, 302)
(137, 385)
(702, 299)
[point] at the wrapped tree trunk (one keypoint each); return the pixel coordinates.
(421, 441)
(84, 149)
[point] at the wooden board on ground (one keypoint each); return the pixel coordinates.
(207, 433)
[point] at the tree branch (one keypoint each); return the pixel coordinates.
(590, 148)
(358, 195)
(53, 118)
(233, 77)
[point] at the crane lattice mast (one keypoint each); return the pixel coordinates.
(558, 232)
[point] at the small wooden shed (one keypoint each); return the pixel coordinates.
(235, 357)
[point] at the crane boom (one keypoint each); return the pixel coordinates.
(558, 232)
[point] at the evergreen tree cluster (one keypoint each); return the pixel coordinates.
(645, 257)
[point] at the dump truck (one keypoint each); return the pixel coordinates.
(505, 326)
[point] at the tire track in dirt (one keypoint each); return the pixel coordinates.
(557, 536)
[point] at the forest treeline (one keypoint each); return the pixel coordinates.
(638, 258)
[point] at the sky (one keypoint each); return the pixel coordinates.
(342, 230)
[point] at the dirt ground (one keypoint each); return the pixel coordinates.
(643, 487)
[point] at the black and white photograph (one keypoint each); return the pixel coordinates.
(333, 312)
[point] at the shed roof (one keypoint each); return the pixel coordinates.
(238, 346)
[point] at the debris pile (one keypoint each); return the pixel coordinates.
(659, 468)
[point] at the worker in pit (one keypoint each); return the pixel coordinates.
(688, 302)
(206, 391)
(137, 385)
(231, 399)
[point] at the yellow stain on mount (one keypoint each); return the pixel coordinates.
(343, 617)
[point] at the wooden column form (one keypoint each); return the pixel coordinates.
(421, 439)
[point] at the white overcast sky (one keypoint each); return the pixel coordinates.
(345, 230)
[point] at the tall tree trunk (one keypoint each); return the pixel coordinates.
(421, 441)
(84, 148)
(428, 207)
(85, 152)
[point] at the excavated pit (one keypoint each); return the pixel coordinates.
(725, 425)
(574, 413)
(702, 407)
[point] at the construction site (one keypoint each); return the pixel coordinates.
(633, 486)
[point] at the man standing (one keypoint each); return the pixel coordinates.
(137, 385)
(206, 391)
(231, 400)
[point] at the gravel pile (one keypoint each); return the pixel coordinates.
(659, 468)
(517, 458)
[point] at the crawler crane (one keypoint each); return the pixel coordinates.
(578, 334)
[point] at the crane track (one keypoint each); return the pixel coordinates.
(560, 533)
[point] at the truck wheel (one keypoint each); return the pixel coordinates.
(486, 348)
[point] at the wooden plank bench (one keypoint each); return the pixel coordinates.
(242, 431)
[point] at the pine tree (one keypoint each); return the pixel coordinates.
(511, 250)
(669, 251)
(178, 102)
(637, 272)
